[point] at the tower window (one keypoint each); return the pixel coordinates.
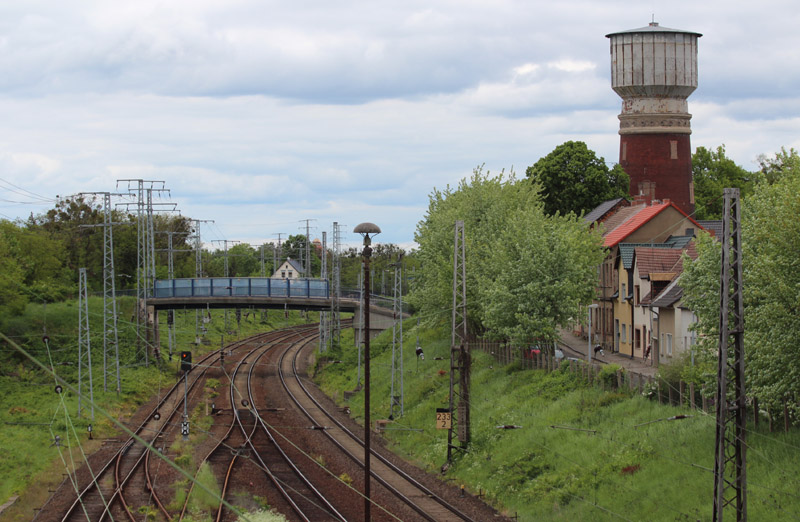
(673, 149)
(624, 151)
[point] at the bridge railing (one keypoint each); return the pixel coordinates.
(240, 287)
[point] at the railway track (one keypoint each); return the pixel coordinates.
(266, 442)
(105, 496)
(428, 505)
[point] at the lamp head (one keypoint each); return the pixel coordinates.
(367, 229)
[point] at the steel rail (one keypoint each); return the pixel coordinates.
(260, 338)
(122, 482)
(93, 484)
(331, 510)
(375, 454)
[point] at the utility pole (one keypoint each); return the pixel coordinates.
(397, 333)
(225, 246)
(145, 253)
(198, 268)
(323, 316)
(84, 344)
(730, 484)
(279, 252)
(110, 332)
(308, 247)
(171, 341)
(227, 271)
(336, 293)
(459, 353)
(263, 259)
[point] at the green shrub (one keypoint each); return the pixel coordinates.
(608, 375)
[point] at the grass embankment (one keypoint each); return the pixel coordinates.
(548, 470)
(32, 414)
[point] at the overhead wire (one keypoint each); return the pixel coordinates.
(125, 429)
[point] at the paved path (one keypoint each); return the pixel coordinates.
(579, 345)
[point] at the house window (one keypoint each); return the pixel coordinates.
(636, 295)
(624, 334)
(290, 274)
(637, 335)
(623, 294)
(669, 344)
(283, 274)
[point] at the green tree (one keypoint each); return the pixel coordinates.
(771, 273)
(712, 171)
(772, 286)
(574, 179)
(12, 288)
(70, 222)
(527, 272)
(772, 169)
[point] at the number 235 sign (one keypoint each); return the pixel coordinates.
(443, 419)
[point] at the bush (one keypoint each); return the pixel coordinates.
(608, 375)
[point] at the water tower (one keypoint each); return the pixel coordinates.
(654, 70)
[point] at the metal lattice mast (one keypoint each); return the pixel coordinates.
(730, 484)
(263, 268)
(110, 331)
(280, 253)
(145, 252)
(323, 316)
(336, 284)
(307, 248)
(198, 268)
(225, 259)
(171, 339)
(397, 332)
(84, 345)
(459, 353)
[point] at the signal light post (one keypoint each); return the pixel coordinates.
(186, 366)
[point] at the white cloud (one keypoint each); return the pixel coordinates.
(261, 113)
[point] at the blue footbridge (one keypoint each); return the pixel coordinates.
(261, 293)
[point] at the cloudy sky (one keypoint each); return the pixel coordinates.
(258, 114)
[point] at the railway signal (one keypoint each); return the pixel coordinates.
(185, 429)
(186, 361)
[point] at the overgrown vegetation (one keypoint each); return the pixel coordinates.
(529, 272)
(547, 469)
(771, 249)
(32, 414)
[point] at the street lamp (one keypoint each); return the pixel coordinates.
(591, 307)
(366, 229)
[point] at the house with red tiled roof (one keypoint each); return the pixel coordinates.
(662, 226)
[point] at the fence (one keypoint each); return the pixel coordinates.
(542, 357)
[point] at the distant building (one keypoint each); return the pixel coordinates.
(290, 269)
